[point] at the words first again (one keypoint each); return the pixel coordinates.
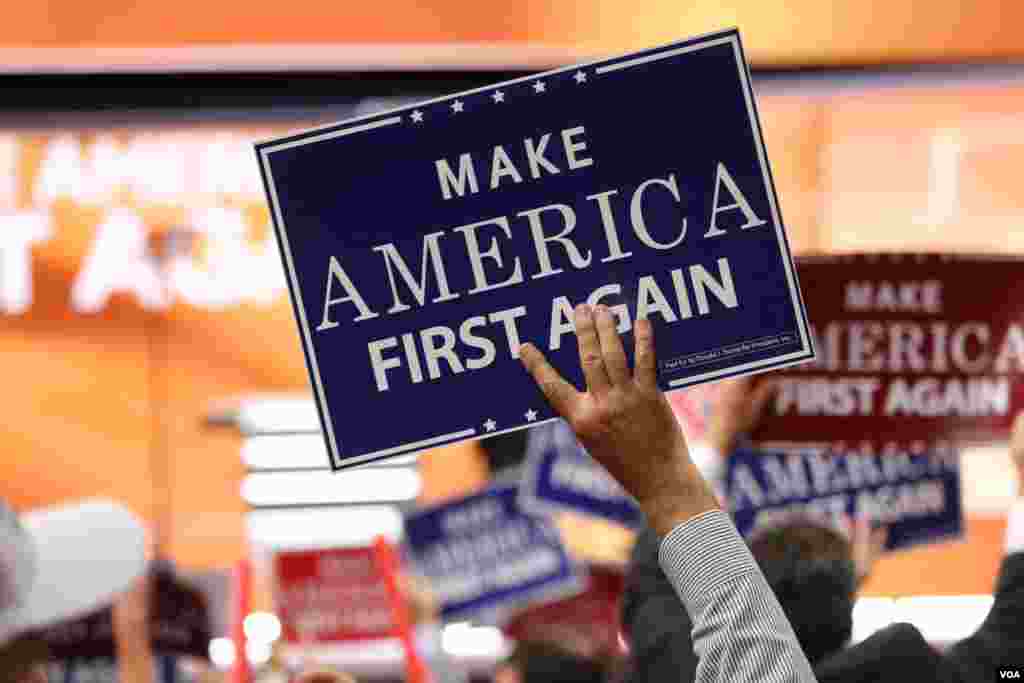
(474, 344)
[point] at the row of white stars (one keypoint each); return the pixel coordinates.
(490, 425)
(499, 96)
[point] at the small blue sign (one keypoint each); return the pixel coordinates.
(560, 475)
(423, 245)
(483, 553)
(916, 495)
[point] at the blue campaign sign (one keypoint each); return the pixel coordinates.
(425, 244)
(482, 553)
(916, 495)
(560, 475)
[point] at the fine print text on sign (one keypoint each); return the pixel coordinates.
(923, 348)
(483, 555)
(561, 475)
(425, 244)
(916, 495)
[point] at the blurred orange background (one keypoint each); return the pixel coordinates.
(115, 402)
(775, 32)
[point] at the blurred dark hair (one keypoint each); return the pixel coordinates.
(542, 662)
(505, 451)
(18, 657)
(811, 570)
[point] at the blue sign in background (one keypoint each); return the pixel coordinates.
(496, 554)
(681, 110)
(586, 487)
(918, 496)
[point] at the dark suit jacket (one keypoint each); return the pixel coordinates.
(900, 653)
(662, 651)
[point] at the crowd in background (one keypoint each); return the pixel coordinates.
(700, 604)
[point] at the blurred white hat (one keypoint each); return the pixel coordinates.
(65, 561)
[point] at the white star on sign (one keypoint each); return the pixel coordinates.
(580, 77)
(538, 87)
(498, 96)
(531, 415)
(456, 106)
(417, 116)
(490, 425)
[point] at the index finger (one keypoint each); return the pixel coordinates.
(559, 393)
(646, 372)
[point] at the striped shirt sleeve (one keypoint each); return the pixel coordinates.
(740, 633)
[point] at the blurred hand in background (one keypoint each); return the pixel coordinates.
(867, 544)
(422, 603)
(1017, 451)
(738, 410)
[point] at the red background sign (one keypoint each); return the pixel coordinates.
(331, 595)
(921, 348)
(587, 623)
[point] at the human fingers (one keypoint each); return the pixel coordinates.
(590, 351)
(559, 393)
(646, 372)
(614, 355)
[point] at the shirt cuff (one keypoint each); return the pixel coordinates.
(702, 554)
(1015, 528)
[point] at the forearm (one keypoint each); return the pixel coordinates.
(135, 661)
(682, 495)
(740, 632)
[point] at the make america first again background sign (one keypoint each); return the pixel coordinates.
(425, 244)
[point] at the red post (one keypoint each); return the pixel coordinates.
(387, 563)
(240, 672)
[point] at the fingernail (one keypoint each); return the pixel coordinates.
(583, 310)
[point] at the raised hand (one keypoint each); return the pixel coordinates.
(623, 420)
(868, 545)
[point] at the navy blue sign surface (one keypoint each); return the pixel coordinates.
(917, 496)
(482, 553)
(425, 244)
(561, 475)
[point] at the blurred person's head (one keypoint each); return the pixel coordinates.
(325, 676)
(23, 660)
(505, 452)
(538, 662)
(811, 569)
(56, 564)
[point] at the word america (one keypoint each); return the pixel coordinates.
(550, 227)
